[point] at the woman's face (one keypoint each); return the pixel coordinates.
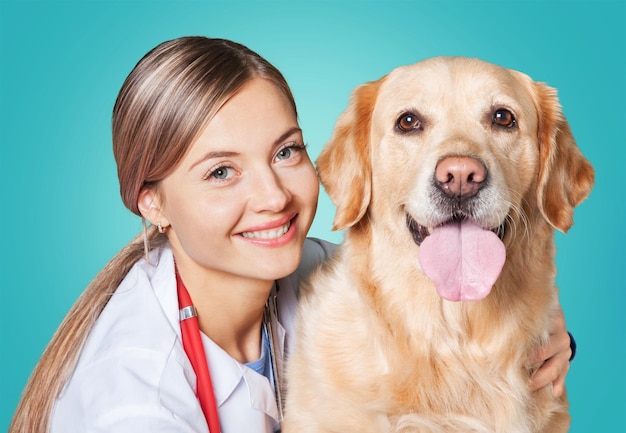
(243, 199)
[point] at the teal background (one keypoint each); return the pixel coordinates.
(62, 64)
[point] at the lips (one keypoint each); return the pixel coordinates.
(267, 234)
(420, 232)
(271, 230)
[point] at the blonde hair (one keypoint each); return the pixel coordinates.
(164, 103)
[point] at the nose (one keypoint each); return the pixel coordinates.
(460, 176)
(269, 193)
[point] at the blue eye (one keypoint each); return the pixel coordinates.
(221, 173)
(289, 151)
(284, 153)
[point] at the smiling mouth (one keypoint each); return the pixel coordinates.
(274, 233)
(420, 232)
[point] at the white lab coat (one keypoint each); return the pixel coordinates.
(133, 375)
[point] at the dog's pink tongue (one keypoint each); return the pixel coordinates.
(463, 260)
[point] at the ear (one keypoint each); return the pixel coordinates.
(149, 205)
(344, 163)
(565, 176)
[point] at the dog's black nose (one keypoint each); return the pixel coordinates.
(460, 176)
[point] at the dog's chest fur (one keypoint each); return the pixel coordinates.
(421, 360)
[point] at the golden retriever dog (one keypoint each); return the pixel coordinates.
(449, 177)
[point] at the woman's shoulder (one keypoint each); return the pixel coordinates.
(131, 354)
(135, 325)
(314, 252)
(144, 308)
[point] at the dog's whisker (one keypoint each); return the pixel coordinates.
(515, 216)
(522, 218)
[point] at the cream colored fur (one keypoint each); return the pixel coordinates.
(378, 350)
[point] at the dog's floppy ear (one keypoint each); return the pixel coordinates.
(565, 175)
(344, 164)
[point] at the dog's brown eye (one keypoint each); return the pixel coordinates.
(504, 118)
(408, 122)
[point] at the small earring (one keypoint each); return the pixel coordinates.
(160, 228)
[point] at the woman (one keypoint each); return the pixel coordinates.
(209, 152)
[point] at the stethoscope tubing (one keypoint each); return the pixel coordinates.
(192, 343)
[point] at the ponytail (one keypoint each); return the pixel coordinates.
(61, 355)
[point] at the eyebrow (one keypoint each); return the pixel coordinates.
(229, 154)
(214, 154)
(289, 132)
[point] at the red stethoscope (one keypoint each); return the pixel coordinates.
(192, 342)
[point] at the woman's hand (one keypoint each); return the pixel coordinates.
(553, 358)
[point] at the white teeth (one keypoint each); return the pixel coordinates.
(267, 234)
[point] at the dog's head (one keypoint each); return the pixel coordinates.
(453, 138)
(455, 144)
